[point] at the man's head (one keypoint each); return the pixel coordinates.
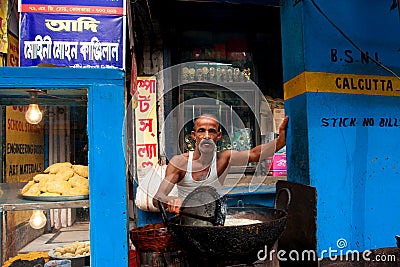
(206, 132)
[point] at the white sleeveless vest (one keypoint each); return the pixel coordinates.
(187, 184)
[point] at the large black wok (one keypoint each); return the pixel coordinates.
(234, 243)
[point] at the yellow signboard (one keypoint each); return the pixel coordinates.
(146, 134)
(13, 51)
(24, 149)
(3, 26)
(323, 82)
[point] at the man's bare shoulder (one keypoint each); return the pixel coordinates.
(224, 155)
(234, 156)
(179, 161)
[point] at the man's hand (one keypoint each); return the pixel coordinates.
(173, 204)
(281, 140)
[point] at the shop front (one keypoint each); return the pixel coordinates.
(217, 59)
(70, 151)
(339, 81)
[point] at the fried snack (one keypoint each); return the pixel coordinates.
(79, 181)
(58, 180)
(48, 194)
(81, 170)
(59, 250)
(76, 249)
(57, 254)
(42, 176)
(51, 178)
(33, 190)
(58, 186)
(54, 168)
(65, 173)
(27, 186)
(43, 186)
(31, 256)
(80, 251)
(48, 177)
(77, 191)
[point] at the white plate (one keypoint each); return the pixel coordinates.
(51, 255)
(56, 198)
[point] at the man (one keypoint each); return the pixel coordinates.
(205, 166)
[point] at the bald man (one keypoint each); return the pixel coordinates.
(205, 166)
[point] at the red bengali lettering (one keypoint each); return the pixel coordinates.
(71, 9)
(147, 150)
(146, 123)
(147, 163)
(148, 85)
(144, 104)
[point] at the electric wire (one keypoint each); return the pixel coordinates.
(351, 41)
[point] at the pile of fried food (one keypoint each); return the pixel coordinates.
(73, 250)
(27, 259)
(59, 179)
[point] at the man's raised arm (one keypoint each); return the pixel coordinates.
(260, 152)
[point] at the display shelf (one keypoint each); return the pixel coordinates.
(245, 189)
(11, 200)
(235, 108)
(246, 180)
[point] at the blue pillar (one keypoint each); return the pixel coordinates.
(342, 97)
(108, 187)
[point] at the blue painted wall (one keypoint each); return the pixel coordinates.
(310, 42)
(354, 166)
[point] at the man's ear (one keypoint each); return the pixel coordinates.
(219, 135)
(193, 133)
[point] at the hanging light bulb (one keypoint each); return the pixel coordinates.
(38, 219)
(33, 115)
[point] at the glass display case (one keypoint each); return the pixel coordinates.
(237, 119)
(235, 100)
(229, 95)
(43, 128)
(226, 67)
(51, 118)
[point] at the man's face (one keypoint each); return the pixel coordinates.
(206, 133)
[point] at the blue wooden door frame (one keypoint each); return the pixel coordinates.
(107, 171)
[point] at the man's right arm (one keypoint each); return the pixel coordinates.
(260, 152)
(172, 177)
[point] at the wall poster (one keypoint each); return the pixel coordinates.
(79, 41)
(13, 51)
(3, 26)
(105, 7)
(146, 122)
(24, 150)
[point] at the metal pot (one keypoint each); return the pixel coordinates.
(240, 242)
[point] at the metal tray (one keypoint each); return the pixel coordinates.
(56, 198)
(51, 255)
